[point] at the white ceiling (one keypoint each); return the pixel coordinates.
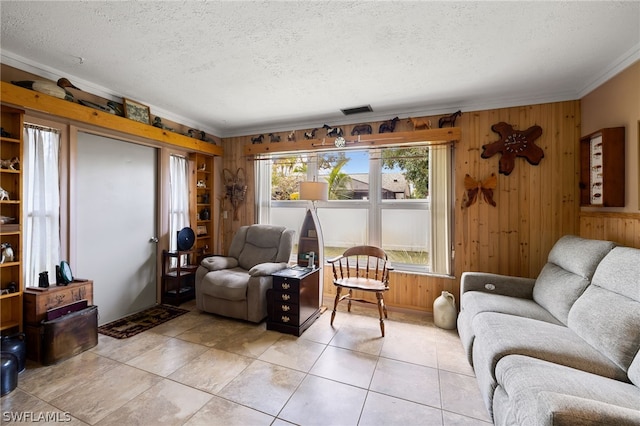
(245, 67)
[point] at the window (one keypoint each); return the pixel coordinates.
(382, 197)
(179, 200)
(42, 202)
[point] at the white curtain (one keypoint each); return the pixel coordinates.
(179, 201)
(440, 191)
(42, 203)
(263, 190)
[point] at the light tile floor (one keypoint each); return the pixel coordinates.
(202, 369)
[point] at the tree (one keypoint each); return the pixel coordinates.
(329, 160)
(339, 182)
(286, 174)
(415, 164)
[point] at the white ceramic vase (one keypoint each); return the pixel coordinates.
(444, 311)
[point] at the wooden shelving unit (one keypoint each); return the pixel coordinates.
(178, 285)
(311, 240)
(11, 145)
(202, 202)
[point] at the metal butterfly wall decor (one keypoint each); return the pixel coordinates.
(474, 187)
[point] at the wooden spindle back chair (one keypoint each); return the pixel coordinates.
(364, 268)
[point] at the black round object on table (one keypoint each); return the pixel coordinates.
(186, 239)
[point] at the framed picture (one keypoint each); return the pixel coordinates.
(136, 111)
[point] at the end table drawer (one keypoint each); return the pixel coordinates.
(285, 308)
(287, 318)
(285, 297)
(286, 284)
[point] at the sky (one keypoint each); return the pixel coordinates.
(359, 163)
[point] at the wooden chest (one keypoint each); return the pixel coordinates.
(37, 301)
(293, 303)
(68, 335)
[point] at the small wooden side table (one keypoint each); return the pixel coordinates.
(178, 282)
(293, 304)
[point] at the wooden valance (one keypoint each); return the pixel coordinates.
(35, 101)
(379, 140)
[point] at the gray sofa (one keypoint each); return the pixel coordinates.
(561, 349)
(236, 285)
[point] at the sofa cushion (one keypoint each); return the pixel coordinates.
(634, 370)
(542, 393)
(286, 246)
(253, 255)
(228, 284)
(499, 335)
(261, 245)
(619, 272)
(570, 267)
(578, 255)
(237, 243)
(609, 322)
(475, 302)
(607, 315)
(557, 290)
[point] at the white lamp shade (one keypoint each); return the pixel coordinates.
(314, 191)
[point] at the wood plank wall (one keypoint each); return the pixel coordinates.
(536, 205)
(623, 228)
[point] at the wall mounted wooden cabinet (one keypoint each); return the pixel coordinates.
(11, 284)
(602, 168)
(202, 220)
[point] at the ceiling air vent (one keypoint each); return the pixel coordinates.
(357, 110)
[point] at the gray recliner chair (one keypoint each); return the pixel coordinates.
(236, 285)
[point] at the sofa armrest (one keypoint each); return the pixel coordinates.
(266, 269)
(564, 410)
(498, 284)
(216, 263)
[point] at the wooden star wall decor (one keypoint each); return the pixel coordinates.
(512, 144)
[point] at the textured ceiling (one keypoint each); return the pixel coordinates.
(252, 67)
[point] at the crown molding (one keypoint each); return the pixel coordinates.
(27, 65)
(624, 61)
